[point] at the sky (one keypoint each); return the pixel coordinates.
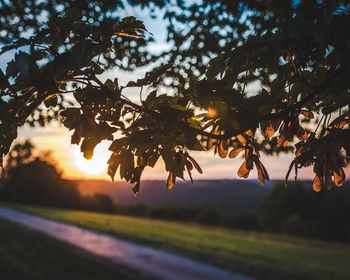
(56, 138)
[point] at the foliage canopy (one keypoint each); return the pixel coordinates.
(199, 93)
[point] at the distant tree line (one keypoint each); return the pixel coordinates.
(35, 180)
(295, 210)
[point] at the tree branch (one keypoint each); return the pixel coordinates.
(317, 91)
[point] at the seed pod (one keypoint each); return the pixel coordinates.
(269, 131)
(339, 177)
(301, 133)
(243, 171)
(195, 164)
(189, 167)
(307, 114)
(262, 172)
(210, 142)
(241, 138)
(317, 184)
(235, 152)
(171, 180)
(223, 150)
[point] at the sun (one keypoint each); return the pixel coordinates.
(98, 164)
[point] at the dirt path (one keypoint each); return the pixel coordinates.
(151, 261)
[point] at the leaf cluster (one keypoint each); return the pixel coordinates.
(243, 77)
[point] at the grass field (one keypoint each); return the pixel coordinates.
(29, 255)
(265, 256)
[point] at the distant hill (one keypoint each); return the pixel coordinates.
(228, 195)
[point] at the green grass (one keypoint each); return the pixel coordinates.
(262, 255)
(29, 255)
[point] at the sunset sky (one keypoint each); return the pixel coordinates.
(57, 138)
